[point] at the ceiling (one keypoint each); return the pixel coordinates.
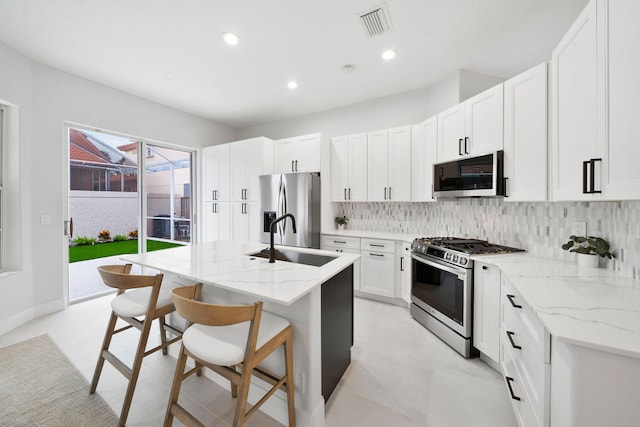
(171, 51)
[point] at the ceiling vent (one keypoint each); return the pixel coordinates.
(376, 21)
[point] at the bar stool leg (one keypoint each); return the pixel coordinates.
(177, 384)
(163, 335)
(105, 346)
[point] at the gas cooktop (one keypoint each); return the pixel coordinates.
(467, 246)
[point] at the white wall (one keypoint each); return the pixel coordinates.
(94, 211)
(47, 98)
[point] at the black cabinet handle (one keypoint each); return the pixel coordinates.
(589, 176)
(389, 193)
(460, 147)
(292, 169)
(296, 166)
(375, 245)
(214, 208)
(513, 344)
(484, 267)
(513, 396)
(340, 241)
(345, 194)
(385, 193)
(466, 139)
(349, 193)
(401, 263)
(376, 254)
(511, 298)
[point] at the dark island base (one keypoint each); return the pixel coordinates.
(337, 328)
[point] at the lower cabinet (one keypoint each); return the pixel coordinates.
(526, 359)
(217, 217)
(486, 310)
(378, 267)
(349, 245)
(403, 270)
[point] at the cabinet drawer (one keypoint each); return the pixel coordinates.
(527, 343)
(386, 246)
(525, 408)
(341, 242)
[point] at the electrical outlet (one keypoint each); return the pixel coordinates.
(579, 229)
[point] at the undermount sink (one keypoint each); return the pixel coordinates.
(295, 257)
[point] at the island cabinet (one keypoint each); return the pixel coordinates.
(389, 165)
(486, 310)
(472, 128)
(317, 302)
(403, 270)
(595, 104)
(349, 168)
(297, 154)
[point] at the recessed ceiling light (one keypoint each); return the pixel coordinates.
(388, 55)
(292, 85)
(231, 39)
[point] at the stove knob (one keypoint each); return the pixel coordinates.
(463, 261)
(455, 258)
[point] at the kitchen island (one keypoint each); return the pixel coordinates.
(317, 301)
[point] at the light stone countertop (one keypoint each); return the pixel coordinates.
(226, 264)
(589, 307)
(372, 235)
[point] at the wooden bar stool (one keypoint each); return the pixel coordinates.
(223, 337)
(146, 297)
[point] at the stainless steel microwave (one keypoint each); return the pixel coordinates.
(480, 176)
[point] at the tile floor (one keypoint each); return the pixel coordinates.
(401, 375)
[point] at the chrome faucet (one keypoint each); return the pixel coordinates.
(272, 227)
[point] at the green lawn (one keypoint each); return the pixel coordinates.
(101, 250)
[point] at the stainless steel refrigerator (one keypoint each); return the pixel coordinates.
(297, 194)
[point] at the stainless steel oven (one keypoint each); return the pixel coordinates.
(441, 299)
(442, 286)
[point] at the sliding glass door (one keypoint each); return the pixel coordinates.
(167, 194)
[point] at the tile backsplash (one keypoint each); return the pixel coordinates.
(538, 227)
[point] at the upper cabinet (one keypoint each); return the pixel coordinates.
(215, 173)
(389, 165)
(349, 168)
(525, 135)
(595, 101)
(473, 127)
(297, 154)
(424, 147)
(248, 160)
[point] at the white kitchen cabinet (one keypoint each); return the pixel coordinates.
(342, 244)
(248, 160)
(486, 310)
(473, 127)
(424, 149)
(403, 263)
(621, 178)
(389, 165)
(525, 135)
(216, 221)
(378, 267)
(215, 173)
(596, 100)
(578, 102)
(525, 358)
(245, 221)
(349, 168)
(297, 154)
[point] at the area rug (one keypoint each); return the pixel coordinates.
(40, 387)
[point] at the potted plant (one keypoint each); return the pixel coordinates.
(342, 221)
(589, 246)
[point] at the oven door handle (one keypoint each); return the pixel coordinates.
(460, 272)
